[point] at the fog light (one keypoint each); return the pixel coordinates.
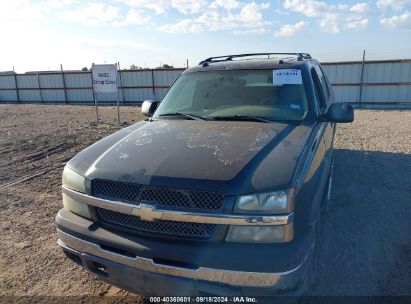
(260, 234)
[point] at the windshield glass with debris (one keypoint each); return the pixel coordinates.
(273, 95)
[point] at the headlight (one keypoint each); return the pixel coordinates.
(75, 181)
(260, 234)
(269, 202)
(76, 207)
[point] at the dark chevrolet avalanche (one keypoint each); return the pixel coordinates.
(220, 192)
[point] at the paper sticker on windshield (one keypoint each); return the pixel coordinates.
(287, 76)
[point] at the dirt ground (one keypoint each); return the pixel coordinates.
(367, 245)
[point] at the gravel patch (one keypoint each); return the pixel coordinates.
(366, 240)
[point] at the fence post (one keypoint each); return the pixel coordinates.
(38, 82)
(121, 83)
(362, 79)
(154, 88)
(94, 93)
(117, 100)
(92, 85)
(16, 85)
(64, 84)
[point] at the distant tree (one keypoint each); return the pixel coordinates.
(85, 69)
(135, 67)
(165, 66)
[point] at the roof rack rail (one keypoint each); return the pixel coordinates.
(300, 56)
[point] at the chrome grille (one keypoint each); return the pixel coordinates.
(168, 228)
(168, 198)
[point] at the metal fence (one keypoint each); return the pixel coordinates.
(75, 87)
(369, 83)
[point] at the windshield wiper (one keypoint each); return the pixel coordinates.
(242, 117)
(189, 116)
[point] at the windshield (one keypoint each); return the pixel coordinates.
(274, 95)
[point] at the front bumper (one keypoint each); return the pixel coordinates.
(147, 277)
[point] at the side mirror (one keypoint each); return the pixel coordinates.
(149, 107)
(339, 112)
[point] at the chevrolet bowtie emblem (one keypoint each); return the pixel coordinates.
(147, 212)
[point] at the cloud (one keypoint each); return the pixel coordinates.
(183, 26)
(251, 12)
(253, 31)
(94, 14)
(289, 30)
(133, 17)
(248, 18)
(158, 6)
(359, 8)
(400, 21)
(58, 4)
(19, 10)
(189, 6)
(308, 8)
(162, 6)
(332, 17)
(395, 4)
(225, 4)
(359, 24)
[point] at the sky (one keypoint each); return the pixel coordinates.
(42, 34)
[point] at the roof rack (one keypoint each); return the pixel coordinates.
(300, 57)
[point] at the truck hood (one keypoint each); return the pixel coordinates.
(227, 156)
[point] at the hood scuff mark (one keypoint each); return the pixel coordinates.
(123, 156)
(143, 141)
(145, 135)
(220, 140)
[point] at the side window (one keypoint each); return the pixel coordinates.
(323, 81)
(318, 90)
(329, 86)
